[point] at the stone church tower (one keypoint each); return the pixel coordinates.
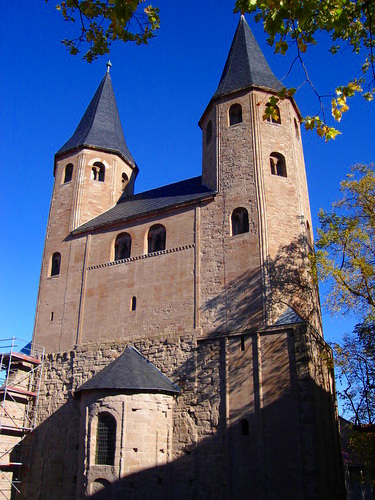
(185, 356)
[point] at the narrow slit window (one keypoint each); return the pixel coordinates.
(240, 221)
(133, 305)
(68, 173)
(277, 164)
(235, 114)
(55, 264)
(242, 343)
(123, 245)
(105, 440)
(156, 238)
(209, 132)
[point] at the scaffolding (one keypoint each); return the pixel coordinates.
(21, 366)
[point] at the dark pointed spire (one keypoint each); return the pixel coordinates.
(246, 65)
(100, 126)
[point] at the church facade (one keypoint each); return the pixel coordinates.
(185, 356)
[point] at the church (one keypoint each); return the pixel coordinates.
(185, 357)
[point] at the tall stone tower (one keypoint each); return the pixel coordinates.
(259, 165)
(92, 170)
(207, 280)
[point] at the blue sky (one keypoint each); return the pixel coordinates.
(161, 90)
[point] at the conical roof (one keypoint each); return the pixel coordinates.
(133, 372)
(246, 65)
(100, 126)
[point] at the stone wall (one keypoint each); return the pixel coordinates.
(278, 380)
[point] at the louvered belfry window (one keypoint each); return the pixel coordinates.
(105, 440)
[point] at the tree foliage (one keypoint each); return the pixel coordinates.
(99, 23)
(346, 245)
(346, 256)
(296, 24)
(355, 370)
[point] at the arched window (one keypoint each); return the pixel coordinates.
(240, 221)
(133, 304)
(296, 128)
(124, 181)
(123, 245)
(55, 264)
(156, 238)
(245, 430)
(68, 173)
(278, 166)
(235, 114)
(99, 485)
(98, 171)
(275, 117)
(209, 132)
(105, 439)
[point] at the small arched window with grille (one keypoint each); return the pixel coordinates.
(240, 221)
(55, 264)
(123, 245)
(105, 440)
(277, 163)
(235, 114)
(156, 238)
(68, 173)
(98, 171)
(209, 132)
(275, 116)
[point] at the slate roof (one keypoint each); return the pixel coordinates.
(100, 126)
(288, 317)
(128, 207)
(130, 371)
(246, 65)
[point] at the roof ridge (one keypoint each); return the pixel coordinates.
(152, 365)
(130, 371)
(159, 187)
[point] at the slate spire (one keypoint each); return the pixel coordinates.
(100, 126)
(246, 65)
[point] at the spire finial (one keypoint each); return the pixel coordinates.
(109, 66)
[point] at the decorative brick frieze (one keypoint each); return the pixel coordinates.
(140, 257)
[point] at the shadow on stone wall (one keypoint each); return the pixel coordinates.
(292, 447)
(242, 303)
(291, 282)
(292, 439)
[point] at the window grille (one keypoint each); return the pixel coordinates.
(105, 440)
